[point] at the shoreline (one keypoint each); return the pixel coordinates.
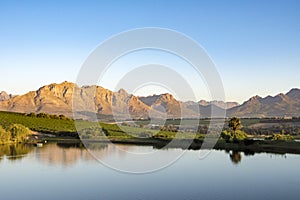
(246, 146)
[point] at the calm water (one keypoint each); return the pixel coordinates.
(58, 171)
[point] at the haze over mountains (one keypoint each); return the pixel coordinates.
(57, 99)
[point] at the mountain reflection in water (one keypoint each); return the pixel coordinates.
(67, 154)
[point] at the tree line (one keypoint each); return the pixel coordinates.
(48, 116)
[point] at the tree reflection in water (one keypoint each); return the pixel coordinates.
(235, 157)
(15, 151)
(67, 154)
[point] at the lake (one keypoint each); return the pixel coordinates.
(68, 171)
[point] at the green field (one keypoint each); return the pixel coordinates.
(66, 127)
(40, 124)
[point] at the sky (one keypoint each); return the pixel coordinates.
(255, 45)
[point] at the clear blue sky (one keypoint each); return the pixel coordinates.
(255, 44)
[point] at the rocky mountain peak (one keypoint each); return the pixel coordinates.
(4, 96)
(294, 93)
(122, 92)
(167, 96)
(255, 98)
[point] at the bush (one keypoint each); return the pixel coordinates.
(281, 137)
(62, 117)
(4, 136)
(233, 136)
(31, 115)
(18, 132)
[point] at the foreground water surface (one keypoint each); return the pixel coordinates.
(68, 171)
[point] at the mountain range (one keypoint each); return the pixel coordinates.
(58, 99)
(271, 106)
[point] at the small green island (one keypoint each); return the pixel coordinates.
(246, 134)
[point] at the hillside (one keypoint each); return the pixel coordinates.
(90, 100)
(57, 99)
(271, 106)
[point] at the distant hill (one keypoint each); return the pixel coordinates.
(166, 103)
(221, 104)
(271, 106)
(58, 99)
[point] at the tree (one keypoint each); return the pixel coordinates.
(4, 135)
(19, 133)
(234, 135)
(63, 117)
(235, 124)
(43, 115)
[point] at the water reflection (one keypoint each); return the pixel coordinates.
(68, 154)
(235, 157)
(62, 154)
(189, 178)
(15, 151)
